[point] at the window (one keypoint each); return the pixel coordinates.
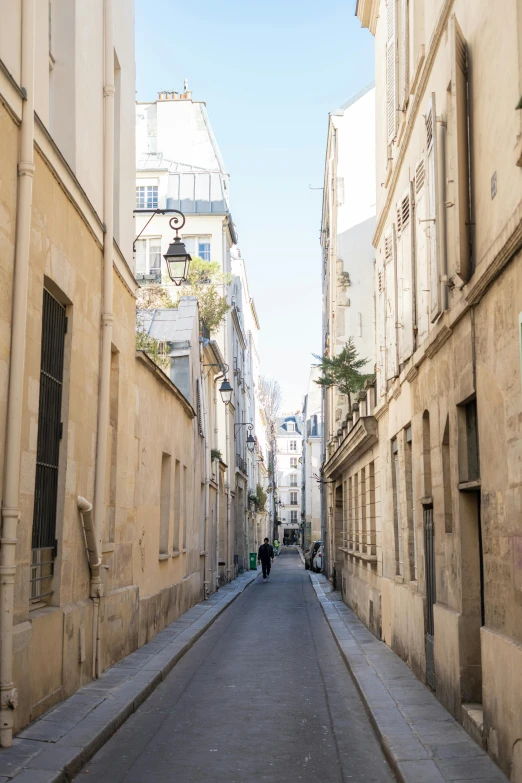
(460, 157)
(293, 517)
(293, 445)
(391, 71)
(293, 480)
(290, 426)
(404, 277)
(146, 197)
(410, 504)
(54, 323)
(397, 507)
(432, 157)
(293, 460)
(293, 498)
(148, 257)
(198, 247)
(166, 473)
(390, 273)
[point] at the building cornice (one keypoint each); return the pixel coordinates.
(367, 11)
(363, 435)
(412, 118)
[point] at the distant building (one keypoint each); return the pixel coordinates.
(311, 460)
(289, 450)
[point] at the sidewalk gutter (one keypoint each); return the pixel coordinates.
(55, 747)
(422, 741)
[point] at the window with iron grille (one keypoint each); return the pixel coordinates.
(293, 460)
(293, 498)
(54, 324)
(293, 517)
(293, 445)
(293, 480)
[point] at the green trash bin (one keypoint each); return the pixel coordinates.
(253, 561)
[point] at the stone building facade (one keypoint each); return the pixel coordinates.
(443, 420)
(82, 413)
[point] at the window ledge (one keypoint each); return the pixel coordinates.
(184, 550)
(361, 555)
(176, 553)
(108, 547)
(163, 556)
(399, 579)
(203, 553)
(469, 486)
(427, 501)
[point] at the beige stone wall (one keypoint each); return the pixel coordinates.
(53, 643)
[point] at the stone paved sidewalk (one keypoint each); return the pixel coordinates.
(57, 745)
(423, 742)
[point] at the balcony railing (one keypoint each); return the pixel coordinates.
(241, 463)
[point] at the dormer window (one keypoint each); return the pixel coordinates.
(290, 426)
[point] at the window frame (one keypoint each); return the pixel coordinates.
(148, 241)
(146, 188)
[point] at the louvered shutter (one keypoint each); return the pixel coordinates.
(381, 331)
(391, 71)
(399, 275)
(405, 55)
(406, 279)
(421, 253)
(459, 97)
(433, 193)
(199, 407)
(391, 303)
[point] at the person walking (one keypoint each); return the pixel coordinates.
(265, 556)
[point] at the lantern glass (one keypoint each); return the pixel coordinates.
(251, 442)
(226, 391)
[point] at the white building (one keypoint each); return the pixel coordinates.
(311, 464)
(289, 449)
(179, 167)
(347, 228)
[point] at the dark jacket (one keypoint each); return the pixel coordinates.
(266, 553)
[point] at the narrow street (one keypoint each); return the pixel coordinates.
(263, 695)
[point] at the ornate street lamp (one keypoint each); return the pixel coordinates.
(176, 257)
(226, 391)
(250, 441)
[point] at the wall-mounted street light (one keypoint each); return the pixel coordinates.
(226, 391)
(250, 441)
(176, 257)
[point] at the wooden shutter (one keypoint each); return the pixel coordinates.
(459, 98)
(405, 278)
(399, 275)
(433, 200)
(391, 303)
(391, 71)
(405, 55)
(380, 331)
(421, 252)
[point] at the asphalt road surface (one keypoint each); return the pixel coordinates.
(264, 695)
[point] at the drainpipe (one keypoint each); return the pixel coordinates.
(227, 427)
(206, 532)
(216, 465)
(13, 441)
(96, 591)
(106, 319)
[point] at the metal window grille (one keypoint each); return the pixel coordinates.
(54, 323)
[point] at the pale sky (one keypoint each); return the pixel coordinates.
(269, 71)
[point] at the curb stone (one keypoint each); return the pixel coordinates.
(421, 740)
(55, 747)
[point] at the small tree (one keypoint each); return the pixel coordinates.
(203, 281)
(343, 371)
(271, 397)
